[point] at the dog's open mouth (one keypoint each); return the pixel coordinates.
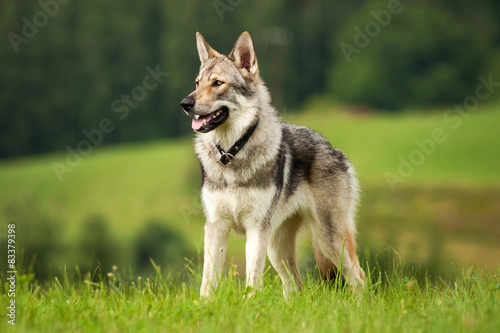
(212, 121)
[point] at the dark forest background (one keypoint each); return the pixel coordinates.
(64, 63)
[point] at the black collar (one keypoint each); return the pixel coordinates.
(228, 157)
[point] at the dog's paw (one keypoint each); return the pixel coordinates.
(205, 292)
(249, 292)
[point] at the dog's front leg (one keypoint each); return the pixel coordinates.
(214, 254)
(255, 250)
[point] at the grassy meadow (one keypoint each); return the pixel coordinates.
(163, 304)
(419, 237)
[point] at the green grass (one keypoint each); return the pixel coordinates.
(390, 303)
(373, 142)
(122, 183)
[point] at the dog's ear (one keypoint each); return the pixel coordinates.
(243, 55)
(204, 50)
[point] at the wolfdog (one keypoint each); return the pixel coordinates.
(266, 179)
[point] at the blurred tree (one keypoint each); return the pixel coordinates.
(421, 57)
(165, 246)
(40, 249)
(97, 246)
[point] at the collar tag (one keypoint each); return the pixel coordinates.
(226, 158)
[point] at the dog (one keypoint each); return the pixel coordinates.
(266, 179)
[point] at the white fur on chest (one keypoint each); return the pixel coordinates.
(238, 208)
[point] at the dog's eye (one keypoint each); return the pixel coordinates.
(197, 83)
(217, 83)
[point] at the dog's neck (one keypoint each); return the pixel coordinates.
(266, 137)
(227, 156)
(227, 134)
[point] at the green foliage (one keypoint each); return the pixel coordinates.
(97, 246)
(161, 244)
(39, 240)
(421, 56)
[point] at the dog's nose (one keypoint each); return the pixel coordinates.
(187, 103)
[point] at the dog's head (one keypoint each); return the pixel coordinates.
(225, 86)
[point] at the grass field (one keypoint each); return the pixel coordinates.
(158, 304)
(443, 216)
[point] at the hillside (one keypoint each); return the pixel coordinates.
(453, 191)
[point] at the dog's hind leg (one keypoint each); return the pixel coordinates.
(327, 268)
(281, 252)
(335, 247)
(332, 254)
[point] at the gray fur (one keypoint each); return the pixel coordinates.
(286, 178)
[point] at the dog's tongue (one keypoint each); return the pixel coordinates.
(198, 123)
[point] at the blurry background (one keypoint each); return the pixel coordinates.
(96, 157)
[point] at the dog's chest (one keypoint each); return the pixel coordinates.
(226, 201)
